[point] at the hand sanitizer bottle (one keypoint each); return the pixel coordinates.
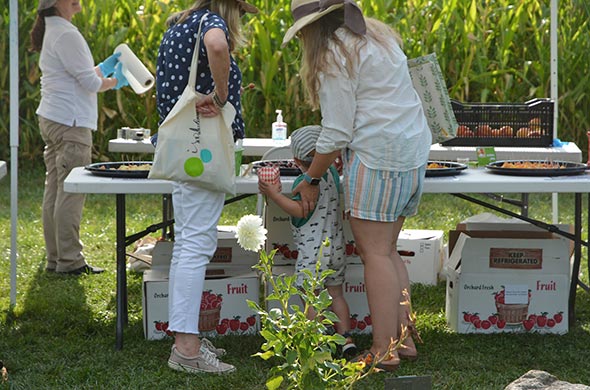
(279, 128)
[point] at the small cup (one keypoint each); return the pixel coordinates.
(270, 174)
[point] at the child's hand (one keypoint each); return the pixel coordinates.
(267, 188)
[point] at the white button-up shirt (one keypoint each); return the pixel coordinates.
(69, 83)
(377, 113)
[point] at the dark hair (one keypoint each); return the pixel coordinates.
(38, 30)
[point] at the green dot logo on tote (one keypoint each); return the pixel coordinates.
(195, 166)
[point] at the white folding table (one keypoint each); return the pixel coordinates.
(569, 151)
(252, 146)
(475, 181)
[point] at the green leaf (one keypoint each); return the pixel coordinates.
(265, 355)
(291, 357)
(274, 383)
(330, 316)
(322, 357)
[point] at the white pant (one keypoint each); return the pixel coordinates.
(196, 214)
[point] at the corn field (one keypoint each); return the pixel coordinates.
(489, 51)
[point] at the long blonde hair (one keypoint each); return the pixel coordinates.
(229, 10)
(317, 37)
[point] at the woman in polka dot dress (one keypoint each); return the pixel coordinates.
(197, 210)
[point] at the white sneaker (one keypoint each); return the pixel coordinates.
(204, 362)
(219, 352)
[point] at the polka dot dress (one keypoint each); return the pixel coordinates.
(174, 62)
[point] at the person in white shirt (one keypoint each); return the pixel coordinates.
(68, 113)
(354, 69)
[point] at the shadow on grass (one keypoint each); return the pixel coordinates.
(47, 327)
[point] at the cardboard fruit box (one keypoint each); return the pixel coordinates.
(224, 308)
(228, 252)
(491, 222)
(423, 253)
(422, 250)
(354, 293)
(507, 281)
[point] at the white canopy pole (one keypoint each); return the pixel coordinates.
(14, 124)
(554, 91)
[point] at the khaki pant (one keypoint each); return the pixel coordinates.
(66, 147)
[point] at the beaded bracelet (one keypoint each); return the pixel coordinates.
(217, 101)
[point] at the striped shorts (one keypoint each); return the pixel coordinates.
(379, 195)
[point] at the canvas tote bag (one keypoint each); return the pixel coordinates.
(429, 82)
(193, 148)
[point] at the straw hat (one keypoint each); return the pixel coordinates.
(44, 4)
(247, 7)
(308, 11)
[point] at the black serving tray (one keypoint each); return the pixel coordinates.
(561, 168)
(111, 169)
(450, 168)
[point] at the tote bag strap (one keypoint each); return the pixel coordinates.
(192, 78)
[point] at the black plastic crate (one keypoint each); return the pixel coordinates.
(503, 124)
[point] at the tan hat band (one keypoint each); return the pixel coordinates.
(313, 7)
(353, 16)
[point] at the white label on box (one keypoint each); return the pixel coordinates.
(515, 294)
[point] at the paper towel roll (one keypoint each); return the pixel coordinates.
(139, 77)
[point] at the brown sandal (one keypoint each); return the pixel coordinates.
(368, 358)
(411, 356)
(409, 353)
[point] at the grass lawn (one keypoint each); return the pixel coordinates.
(61, 334)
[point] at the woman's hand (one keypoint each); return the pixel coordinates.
(309, 195)
(207, 107)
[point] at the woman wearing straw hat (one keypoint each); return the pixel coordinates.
(355, 71)
(197, 210)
